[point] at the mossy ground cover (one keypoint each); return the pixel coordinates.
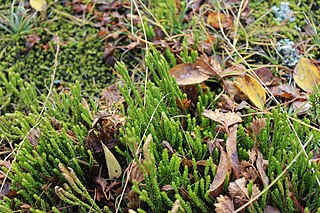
(89, 88)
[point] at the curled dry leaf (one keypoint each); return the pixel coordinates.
(239, 192)
(34, 136)
(252, 88)
(114, 168)
(306, 75)
(265, 75)
(231, 146)
(301, 107)
(226, 119)
(224, 204)
(219, 20)
(191, 73)
(111, 95)
(136, 172)
(224, 169)
(260, 167)
(285, 91)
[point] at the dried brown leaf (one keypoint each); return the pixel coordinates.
(133, 198)
(239, 192)
(285, 91)
(219, 20)
(32, 40)
(226, 119)
(260, 167)
(188, 74)
(111, 95)
(265, 75)
(301, 107)
(224, 205)
(34, 136)
(257, 125)
(136, 172)
(231, 146)
(224, 169)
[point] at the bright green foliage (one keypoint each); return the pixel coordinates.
(39, 169)
(168, 15)
(155, 112)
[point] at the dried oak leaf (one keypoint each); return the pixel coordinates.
(260, 167)
(224, 204)
(133, 200)
(265, 75)
(301, 107)
(136, 172)
(226, 119)
(239, 192)
(191, 73)
(257, 125)
(285, 91)
(224, 169)
(111, 95)
(231, 146)
(252, 88)
(32, 40)
(219, 20)
(306, 75)
(34, 136)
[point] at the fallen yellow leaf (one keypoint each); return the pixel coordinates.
(252, 88)
(114, 168)
(38, 5)
(306, 75)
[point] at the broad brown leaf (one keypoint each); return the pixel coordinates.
(239, 192)
(226, 119)
(257, 125)
(224, 169)
(224, 205)
(191, 73)
(252, 88)
(34, 136)
(219, 20)
(285, 91)
(301, 107)
(306, 75)
(260, 168)
(265, 75)
(231, 146)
